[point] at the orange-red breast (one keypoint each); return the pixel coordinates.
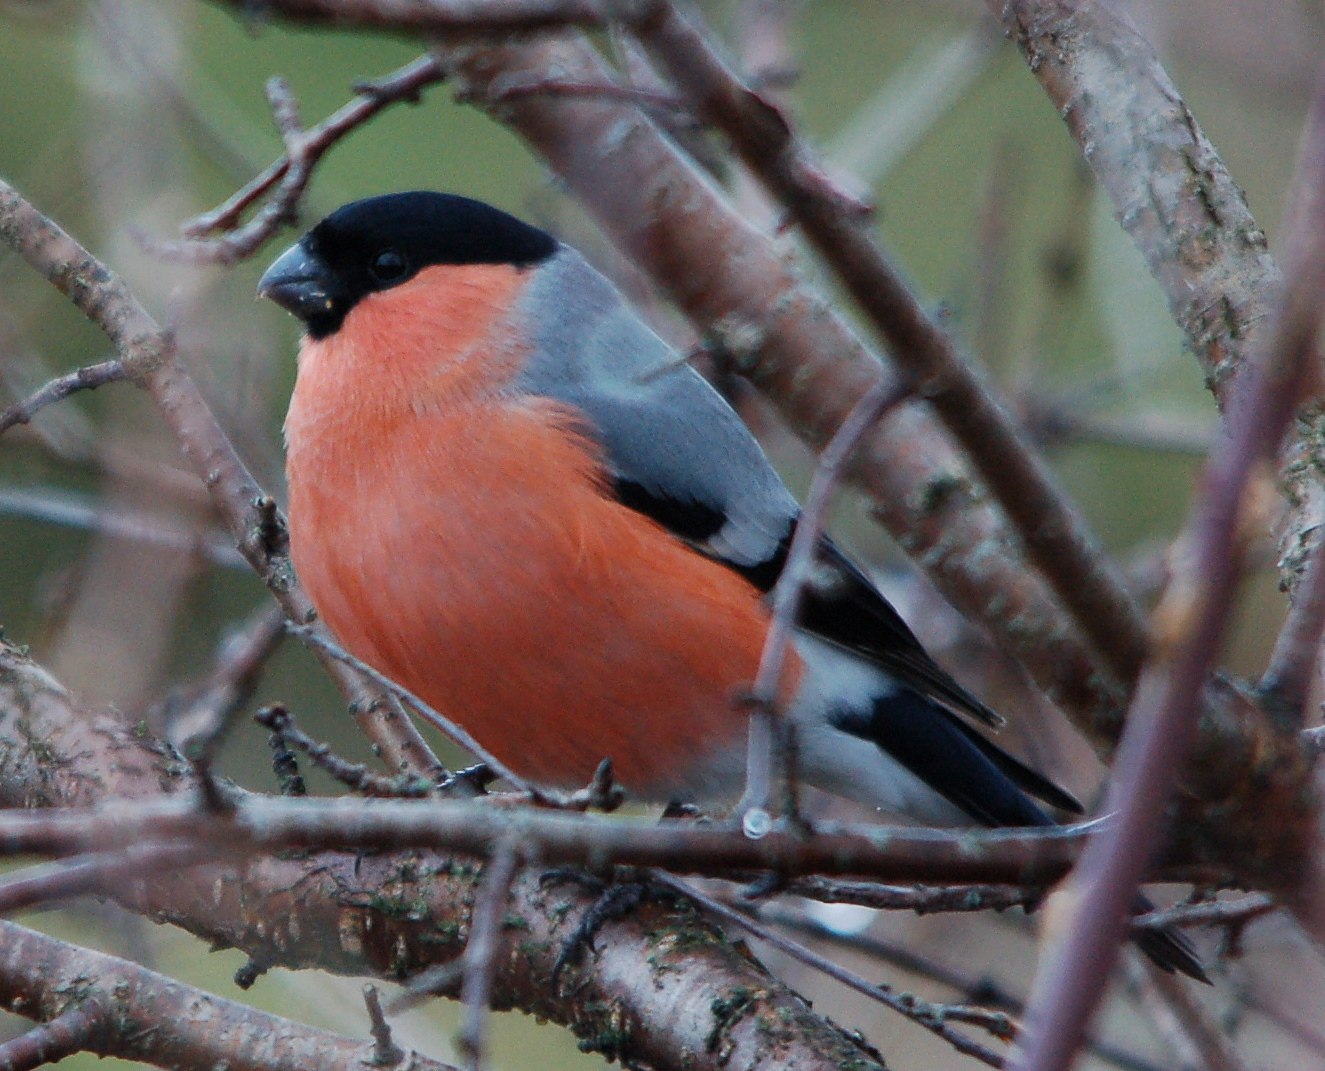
(507, 493)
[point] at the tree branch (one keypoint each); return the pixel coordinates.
(1190, 622)
(99, 1003)
(658, 992)
(1054, 536)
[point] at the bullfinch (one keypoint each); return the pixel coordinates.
(507, 493)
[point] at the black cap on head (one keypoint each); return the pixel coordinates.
(378, 243)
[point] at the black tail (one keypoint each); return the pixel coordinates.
(1168, 949)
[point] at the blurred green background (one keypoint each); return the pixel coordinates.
(120, 117)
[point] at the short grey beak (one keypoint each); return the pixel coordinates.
(298, 282)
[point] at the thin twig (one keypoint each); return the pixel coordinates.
(974, 989)
(264, 823)
(645, 98)
(355, 776)
(485, 923)
(922, 899)
(322, 642)
(386, 1053)
(66, 509)
(196, 718)
(290, 174)
(90, 377)
(787, 596)
(931, 1016)
(1286, 685)
(883, 131)
(1190, 1030)
(1170, 190)
(1052, 532)
(40, 975)
(1209, 913)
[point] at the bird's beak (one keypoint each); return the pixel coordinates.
(299, 283)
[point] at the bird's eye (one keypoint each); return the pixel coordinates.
(388, 267)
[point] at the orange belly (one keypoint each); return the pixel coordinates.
(473, 556)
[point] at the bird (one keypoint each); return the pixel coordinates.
(511, 496)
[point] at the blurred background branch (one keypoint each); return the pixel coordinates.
(136, 117)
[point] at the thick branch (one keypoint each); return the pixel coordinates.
(1171, 191)
(660, 991)
(120, 1008)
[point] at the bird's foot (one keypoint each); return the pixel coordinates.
(616, 898)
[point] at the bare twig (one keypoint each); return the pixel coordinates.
(386, 1053)
(91, 874)
(1286, 685)
(1237, 912)
(261, 823)
(61, 507)
(648, 99)
(324, 643)
(463, 16)
(933, 1017)
(355, 776)
(1171, 191)
(89, 377)
(196, 718)
(787, 597)
(905, 109)
(1189, 1027)
(484, 926)
(980, 989)
(290, 174)
(1189, 624)
(922, 899)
